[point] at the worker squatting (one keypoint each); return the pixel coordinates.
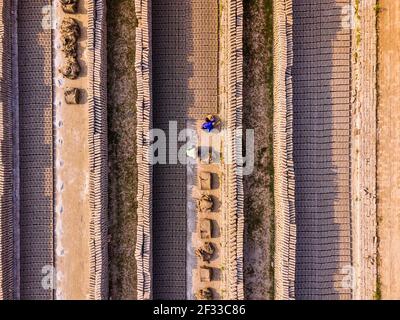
(175, 147)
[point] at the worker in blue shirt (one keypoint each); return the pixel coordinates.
(210, 123)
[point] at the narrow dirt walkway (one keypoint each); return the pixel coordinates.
(257, 115)
(123, 171)
(72, 211)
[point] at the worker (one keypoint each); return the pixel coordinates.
(210, 123)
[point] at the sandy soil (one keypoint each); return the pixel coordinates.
(72, 176)
(388, 181)
(257, 115)
(121, 23)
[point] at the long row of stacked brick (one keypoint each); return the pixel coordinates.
(321, 138)
(170, 83)
(285, 220)
(234, 172)
(6, 157)
(312, 136)
(36, 148)
(143, 107)
(97, 101)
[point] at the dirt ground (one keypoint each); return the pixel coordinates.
(388, 180)
(258, 110)
(72, 176)
(121, 24)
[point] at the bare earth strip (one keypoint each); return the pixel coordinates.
(257, 115)
(388, 183)
(122, 148)
(72, 209)
(363, 151)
